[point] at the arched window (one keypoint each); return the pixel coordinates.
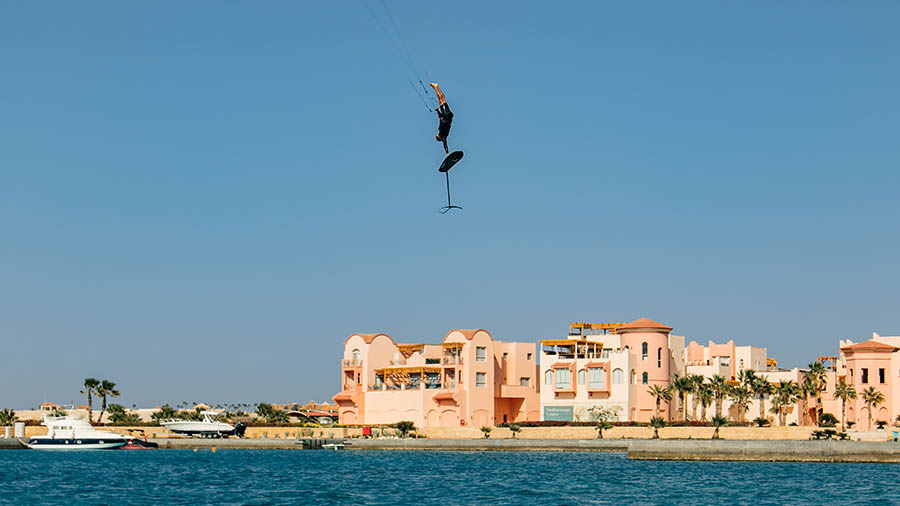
(644, 350)
(581, 376)
(548, 377)
(618, 376)
(355, 357)
(659, 358)
(633, 377)
(644, 378)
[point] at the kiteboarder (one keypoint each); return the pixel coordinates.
(445, 116)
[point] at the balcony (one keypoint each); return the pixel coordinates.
(452, 361)
(353, 363)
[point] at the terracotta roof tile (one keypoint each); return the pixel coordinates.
(870, 346)
(644, 323)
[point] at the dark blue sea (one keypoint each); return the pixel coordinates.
(425, 477)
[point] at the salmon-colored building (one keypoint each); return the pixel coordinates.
(873, 363)
(613, 366)
(612, 370)
(467, 379)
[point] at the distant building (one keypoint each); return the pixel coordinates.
(873, 363)
(613, 366)
(468, 379)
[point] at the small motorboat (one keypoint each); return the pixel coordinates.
(209, 426)
(138, 441)
(72, 433)
(333, 446)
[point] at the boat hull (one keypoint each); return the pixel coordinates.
(75, 444)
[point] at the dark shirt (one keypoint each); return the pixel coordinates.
(445, 115)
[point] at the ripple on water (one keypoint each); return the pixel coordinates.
(424, 478)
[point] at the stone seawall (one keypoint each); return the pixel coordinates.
(781, 451)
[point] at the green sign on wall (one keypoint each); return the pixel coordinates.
(559, 413)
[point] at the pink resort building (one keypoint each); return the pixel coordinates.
(468, 379)
(614, 365)
(873, 363)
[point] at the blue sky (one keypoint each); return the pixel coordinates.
(202, 201)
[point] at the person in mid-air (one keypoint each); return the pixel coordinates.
(445, 116)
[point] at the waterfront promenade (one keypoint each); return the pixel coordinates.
(636, 449)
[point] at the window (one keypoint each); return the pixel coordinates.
(618, 377)
(525, 382)
(644, 351)
(480, 379)
(742, 364)
(548, 377)
(358, 379)
(865, 375)
(414, 382)
(379, 380)
(881, 376)
(605, 353)
(633, 377)
(644, 378)
(528, 357)
(581, 376)
(432, 380)
(460, 377)
(505, 355)
(725, 361)
(480, 353)
(355, 357)
(563, 378)
(597, 377)
(659, 358)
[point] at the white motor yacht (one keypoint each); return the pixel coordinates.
(72, 433)
(208, 426)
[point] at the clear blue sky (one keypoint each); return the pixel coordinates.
(201, 201)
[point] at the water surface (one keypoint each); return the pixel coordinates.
(425, 478)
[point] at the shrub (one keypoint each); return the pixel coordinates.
(486, 431)
(828, 420)
(881, 424)
(760, 421)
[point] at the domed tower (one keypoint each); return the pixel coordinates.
(648, 345)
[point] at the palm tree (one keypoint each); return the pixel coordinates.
(872, 398)
(747, 377)
(705, 396)
(601, 426)
(90, 387)
(718, 422)
(808, 388)
(7, 417)
(741, 396)
(514, 429)
(657, 423)
(819, 373)
(696, 381)
(682, 385)
(719, 390)
(661, 394)
(844, 392)
(761, 387)
(106, 388)
(786, 394)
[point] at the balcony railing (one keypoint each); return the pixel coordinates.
(452, 361)
(352, 363)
